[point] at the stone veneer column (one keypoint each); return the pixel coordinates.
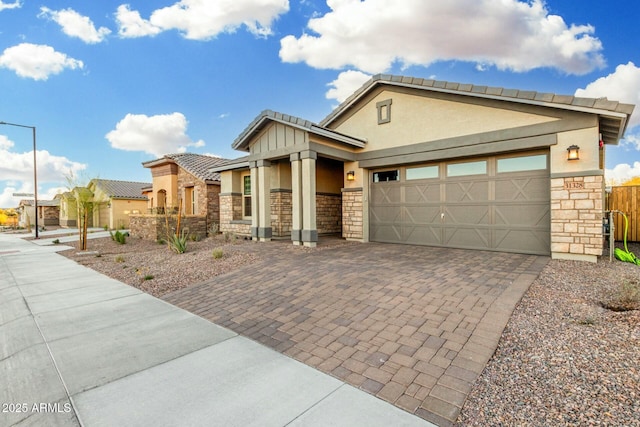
(296, 199)
(309, 230)
(576, 217)
(352, 224)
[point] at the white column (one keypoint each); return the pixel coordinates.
(296, 199)
(255, 191)
(264, 200)
(309, 230)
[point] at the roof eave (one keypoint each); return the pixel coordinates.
(231, 166)
(622, 112)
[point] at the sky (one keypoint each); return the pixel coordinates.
(109, 85)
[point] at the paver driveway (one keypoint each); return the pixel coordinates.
(412, 325)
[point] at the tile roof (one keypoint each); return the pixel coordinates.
(55, 202)
(608, 110)
(121, 189)
(198, 165)
(268, 115)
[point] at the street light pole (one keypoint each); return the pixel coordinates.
(35, 170)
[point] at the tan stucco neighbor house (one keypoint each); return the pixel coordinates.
(115, 201)
(415, 161)
(48, 212)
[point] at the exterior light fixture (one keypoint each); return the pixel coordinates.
(351, 176)
(573, 152)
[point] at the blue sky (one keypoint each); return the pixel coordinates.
(110, 84)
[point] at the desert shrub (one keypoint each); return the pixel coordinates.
(119, 258)
(625, 297)
(214, 229)
(230, 237)
(178, 244)
(119, 237)
(217, 253)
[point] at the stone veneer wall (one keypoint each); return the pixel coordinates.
(51, 215)
(154, 227)
(208, 202)
(576, 215)
(328, 213)
(281, 213)
(352, 224)
(231, 215)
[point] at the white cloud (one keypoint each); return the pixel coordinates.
(16, 171)
(16, 4)
(346, 83)
(622, 173)
(622, 85)
(131, 24)
(5, 143)
(156, 135)
(37, 62)
(203, 19)
(8, 200)
(75, 25)
(371, 35)
(19, 166)
(631, 140)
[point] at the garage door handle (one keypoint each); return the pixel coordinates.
(442, 216)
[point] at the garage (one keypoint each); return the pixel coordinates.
(498, 203)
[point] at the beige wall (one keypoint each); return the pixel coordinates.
(169, 183)
(281, 175)
(329, 176)
(420, 119)
(121, 209)
(587, 140)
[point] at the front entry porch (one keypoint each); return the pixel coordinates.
(299, 197)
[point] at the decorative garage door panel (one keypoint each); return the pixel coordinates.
(506, 208)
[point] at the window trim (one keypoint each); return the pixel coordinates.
(375, 173)
(246, 198)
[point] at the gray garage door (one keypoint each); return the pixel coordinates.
(495, 203)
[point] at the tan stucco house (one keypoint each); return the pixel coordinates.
(48, 212)
(182, 181)
(416, 161)
(115, 201)
(112, 202)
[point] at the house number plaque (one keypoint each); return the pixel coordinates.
(574, 185)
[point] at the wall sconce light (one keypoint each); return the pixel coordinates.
(351, 176)
(573, 152)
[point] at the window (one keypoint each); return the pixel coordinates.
(246, 196)
(386, 176)
(424, 172)
(468, 168)
(384, 111)
(190, 201)
(524, 163)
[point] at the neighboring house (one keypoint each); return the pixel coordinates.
(416, 161)
(48, 212)
(68, 210)
(181, 181)
(114, 201)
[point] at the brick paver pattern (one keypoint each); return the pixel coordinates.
(412, 325)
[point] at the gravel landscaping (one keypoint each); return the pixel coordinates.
(566, 357)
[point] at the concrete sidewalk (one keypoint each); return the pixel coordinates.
(79, 348)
